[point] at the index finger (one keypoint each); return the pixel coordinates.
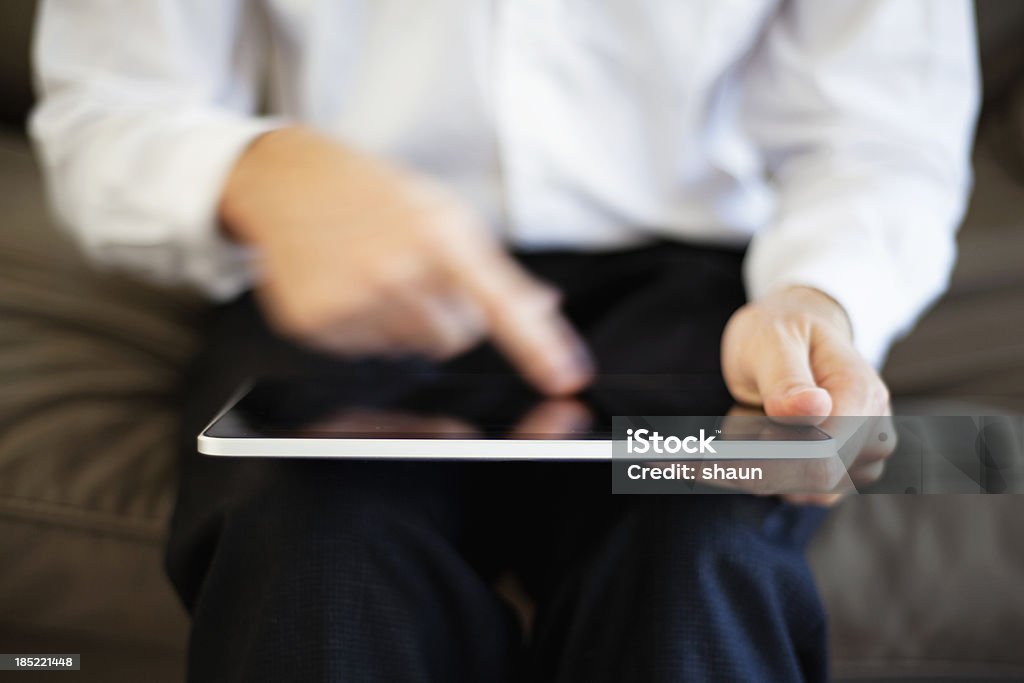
(522, 317)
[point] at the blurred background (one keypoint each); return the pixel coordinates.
(918, 588)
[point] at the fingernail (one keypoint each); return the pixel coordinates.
(565, 379)
(570, 373)
(799, 390)
(582, 358)
(573, 365)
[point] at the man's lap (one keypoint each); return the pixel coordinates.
(299, 524)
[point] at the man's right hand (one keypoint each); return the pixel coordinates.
(360, 257)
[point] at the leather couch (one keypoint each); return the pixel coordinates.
(916, 587)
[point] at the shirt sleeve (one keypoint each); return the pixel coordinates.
(143, 109)
(864, 111)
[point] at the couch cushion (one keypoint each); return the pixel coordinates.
(929, 586)
(90, 365)
(924, 585)
(971, 345)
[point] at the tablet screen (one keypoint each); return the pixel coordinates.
(382, 405)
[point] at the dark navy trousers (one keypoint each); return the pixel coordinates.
(302, 570)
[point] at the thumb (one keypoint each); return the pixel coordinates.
(786, 383)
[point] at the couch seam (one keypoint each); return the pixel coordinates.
(80, 519)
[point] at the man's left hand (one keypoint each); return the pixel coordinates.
(792, 353)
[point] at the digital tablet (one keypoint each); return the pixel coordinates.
(448, 416)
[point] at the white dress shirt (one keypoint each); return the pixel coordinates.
(833, 135)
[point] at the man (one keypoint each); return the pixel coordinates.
(629, 151)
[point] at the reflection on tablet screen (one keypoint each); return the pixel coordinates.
(446, 405)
